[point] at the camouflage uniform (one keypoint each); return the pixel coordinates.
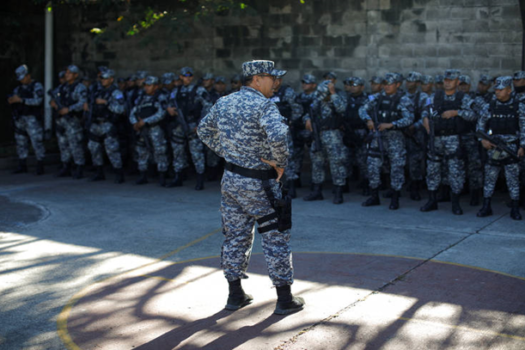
(207, 98)
(151, 141)
(242, 128)
(395, 109)
(103, 127)
(28, 127)
(301, 137)
(520, 92)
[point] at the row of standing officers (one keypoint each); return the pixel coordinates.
(428, 126)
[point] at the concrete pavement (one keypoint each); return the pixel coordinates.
(103, 266)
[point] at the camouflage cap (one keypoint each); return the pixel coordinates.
(73, 69)
(414, 76)
(132, 77)
(451, 74)
(278, 73)
(330, 75)
(503, 82)
(390, 78)
(151, 80)
(399, 77)
(186, 71)
(108, 73)
(62, 74)
(464, 79)
(426, 79)
(519, 75)
(485, 79)
(220, 79)
(377, 79)
(21, 72)
(236, 78)
(207, 76)
(142, 74)
(348, 81)
(101, 69)
(357, 81)
(438, 78)
(309, 79)
(257, 67)
(168, 78)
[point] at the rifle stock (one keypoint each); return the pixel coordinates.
(500, 144)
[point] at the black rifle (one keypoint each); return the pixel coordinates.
(316, 146)
(55, 96)
(377, 134)
(15, 112)
(432, 134)
(500, 144)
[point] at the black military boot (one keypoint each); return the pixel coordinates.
(99, 175)
(474, 197)
(414, 190)
(338, 195)
(39, 167)
(346, 187)
(456, 208)
(291, 189)
(162, 178)
(79, 172)
(316, 194)
(22, 167)
(237, 298)
(486, 209)
(176, 182)
(444, 194)
(364, 186)
(432, 203)
(119, 175)
(65, 170)
(515, 210)
(374, 198)
(394, 203)
(200, 182)
(388, 193)
(143, 179)
(286, 303)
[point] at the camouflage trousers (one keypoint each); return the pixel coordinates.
(395, 152)
(335, 152)
(290, 170)
(474, 166)
(512, 174)
(178, 144)
(301, 140)
(416, 154)
(70, 136)
(448, 154)
(28, 128)
(358, 155)
(243, 202)
(104, 133)
(152, 144)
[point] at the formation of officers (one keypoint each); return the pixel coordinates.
(401, 133)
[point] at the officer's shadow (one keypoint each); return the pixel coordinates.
(209, 327)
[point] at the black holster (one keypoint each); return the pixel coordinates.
(282, 211)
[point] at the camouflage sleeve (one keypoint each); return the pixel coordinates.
(117, 102)
(466, 111)
(202, 96)
(429, 103)
(406, 109)
(339, 102)
(208, 131)
(366, 108)
(522, 124)
(158, 116)
(484, 116)
(132, 118)
(277, 132)
(80, 95)
(422, 104)
(38, 96)
(297, 108)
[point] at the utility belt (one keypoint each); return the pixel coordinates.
(446, 132)
(252, 173)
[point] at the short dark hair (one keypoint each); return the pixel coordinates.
(246, 80)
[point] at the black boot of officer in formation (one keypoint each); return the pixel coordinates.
(162, 179)
(65, 170)
(39, 167)
(143, 179)
(99, 175)
(176, 182)
(338, 194)
(286, 303)
(79, 172)
(432, 203)
(374, 198)
(486, 209)
(200, 182)
(316, 194)
(237, 298)
(515, 210)
(456, 208)
(22, 167)
(119, 176)
(394, 203)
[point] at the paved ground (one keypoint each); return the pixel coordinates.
(102, 266)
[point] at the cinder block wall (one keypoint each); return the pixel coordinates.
(362, 38)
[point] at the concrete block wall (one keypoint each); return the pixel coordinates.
(363, 37)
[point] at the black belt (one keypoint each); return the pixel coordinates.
(253, 173)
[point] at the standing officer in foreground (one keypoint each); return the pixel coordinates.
(27, 104)
(246, 129)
